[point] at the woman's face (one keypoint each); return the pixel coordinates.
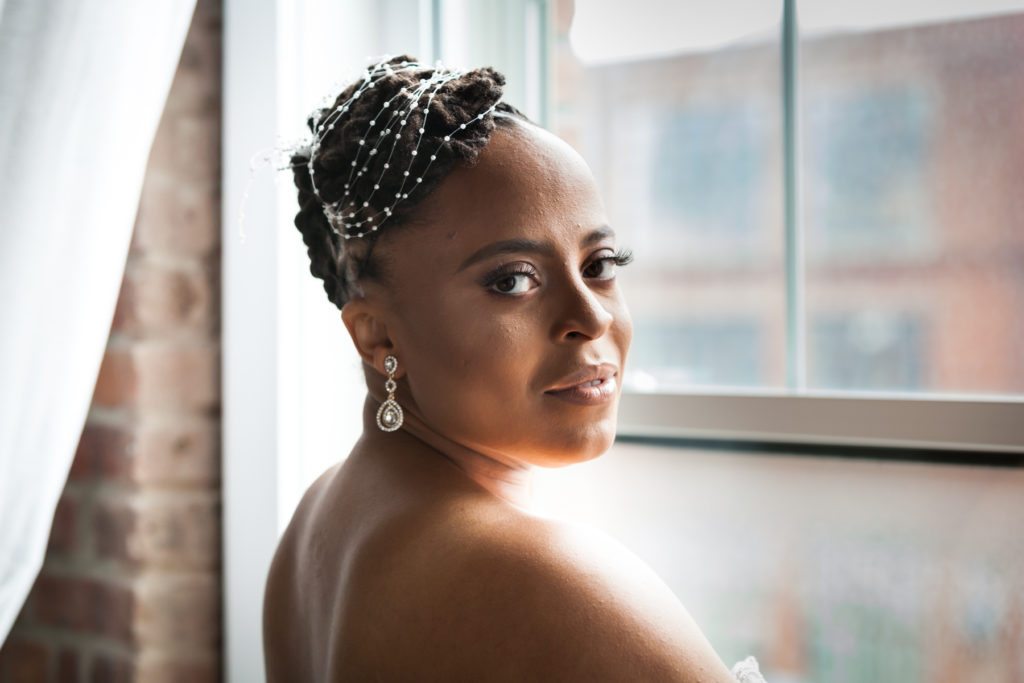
(480, 332)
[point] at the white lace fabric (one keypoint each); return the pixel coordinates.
(746, 671)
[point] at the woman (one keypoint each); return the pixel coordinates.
(470, 255)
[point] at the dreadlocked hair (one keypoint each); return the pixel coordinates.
(343, 263)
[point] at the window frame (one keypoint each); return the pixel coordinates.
(898, 421)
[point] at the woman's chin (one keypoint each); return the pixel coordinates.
(577, 448)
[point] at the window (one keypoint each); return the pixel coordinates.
(910, 160)
(845, 181)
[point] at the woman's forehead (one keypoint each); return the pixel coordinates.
(526, 157)
(527, 183)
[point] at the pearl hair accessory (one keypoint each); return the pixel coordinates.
(335, 211)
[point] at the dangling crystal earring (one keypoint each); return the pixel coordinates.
(389, 415)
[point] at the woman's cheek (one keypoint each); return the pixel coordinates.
(510, 334)
(627, 331)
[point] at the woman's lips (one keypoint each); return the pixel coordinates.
(588, 393)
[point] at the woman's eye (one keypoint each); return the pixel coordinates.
(512, 283)
(607, 264)
(605, 268)
(515, 281)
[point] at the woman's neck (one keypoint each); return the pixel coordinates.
(508, 480)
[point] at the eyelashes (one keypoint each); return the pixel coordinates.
(620, 257)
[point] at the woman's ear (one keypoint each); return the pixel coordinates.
(369, 333)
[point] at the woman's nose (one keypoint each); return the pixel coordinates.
(583, 314)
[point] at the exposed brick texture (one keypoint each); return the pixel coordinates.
(130, 588)
(24, 659)
(103, 454)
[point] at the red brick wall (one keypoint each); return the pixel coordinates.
(130, 588)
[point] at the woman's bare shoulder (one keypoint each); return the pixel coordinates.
(553, 599)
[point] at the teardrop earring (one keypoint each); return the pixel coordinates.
(389, 415)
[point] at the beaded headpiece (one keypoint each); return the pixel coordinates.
(398, 118)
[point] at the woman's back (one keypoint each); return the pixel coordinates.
(392, 571)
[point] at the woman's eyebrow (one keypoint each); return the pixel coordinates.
(528, 245)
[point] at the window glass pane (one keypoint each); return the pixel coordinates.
(834, 570)
(322, 47)
(680, 120)
(912, 154)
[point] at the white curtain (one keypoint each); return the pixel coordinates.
(82, 88)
